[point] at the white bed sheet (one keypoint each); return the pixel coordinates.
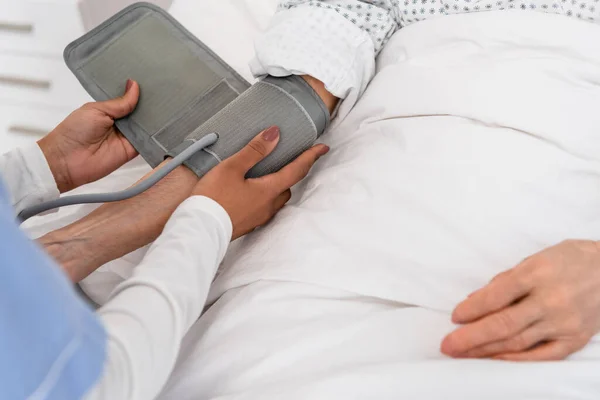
(288, 340)
(476, 145)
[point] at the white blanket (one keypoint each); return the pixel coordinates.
(476, 145)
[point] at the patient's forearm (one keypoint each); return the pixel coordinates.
(329, 100)
(116, 229)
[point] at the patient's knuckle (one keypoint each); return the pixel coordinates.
(543, 267)
(505, 323)
(522, 280)
(517, 343)
(558, 298)
(574, 323)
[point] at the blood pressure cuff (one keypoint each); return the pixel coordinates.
(187, 92)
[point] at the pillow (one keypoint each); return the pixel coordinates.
(228, 27)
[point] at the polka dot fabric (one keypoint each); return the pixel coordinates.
(336, 41)
(378, 18)
(374, 16)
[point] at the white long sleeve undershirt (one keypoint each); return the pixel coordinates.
(148, 314)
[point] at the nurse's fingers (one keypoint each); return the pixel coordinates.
(282, 200)
(297, 170)
(254, 152)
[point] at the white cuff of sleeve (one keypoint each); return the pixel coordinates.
(182, 262)
(30, 181)
(320, 43)
(206, 205)
(40, 172)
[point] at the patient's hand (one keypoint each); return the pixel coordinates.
(546, 308)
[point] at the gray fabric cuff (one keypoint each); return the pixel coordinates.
(183, 83)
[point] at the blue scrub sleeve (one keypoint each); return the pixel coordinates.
(52, 345)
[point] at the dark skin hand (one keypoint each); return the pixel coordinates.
(116, 229)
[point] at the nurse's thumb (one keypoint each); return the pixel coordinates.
(122, 106)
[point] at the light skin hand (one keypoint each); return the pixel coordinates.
(116, 229)
(87, 145)
(544, 309)
(253, 202)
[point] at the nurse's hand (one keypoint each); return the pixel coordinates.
(87, 145)
(546, 308)
(253, 202)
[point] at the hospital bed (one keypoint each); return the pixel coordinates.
(425, 196)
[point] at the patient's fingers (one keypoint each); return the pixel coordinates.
(551, 351)
(520, 342)
(503, 290)
(497, 326)
(297, 170)
(261, 146)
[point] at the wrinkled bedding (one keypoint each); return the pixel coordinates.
(475, 146)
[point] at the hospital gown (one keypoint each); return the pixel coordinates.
(336, 41)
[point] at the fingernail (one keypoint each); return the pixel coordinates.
(271, 134)
(323, 150)
(128, 85)
(446, 347)
(456, 317)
